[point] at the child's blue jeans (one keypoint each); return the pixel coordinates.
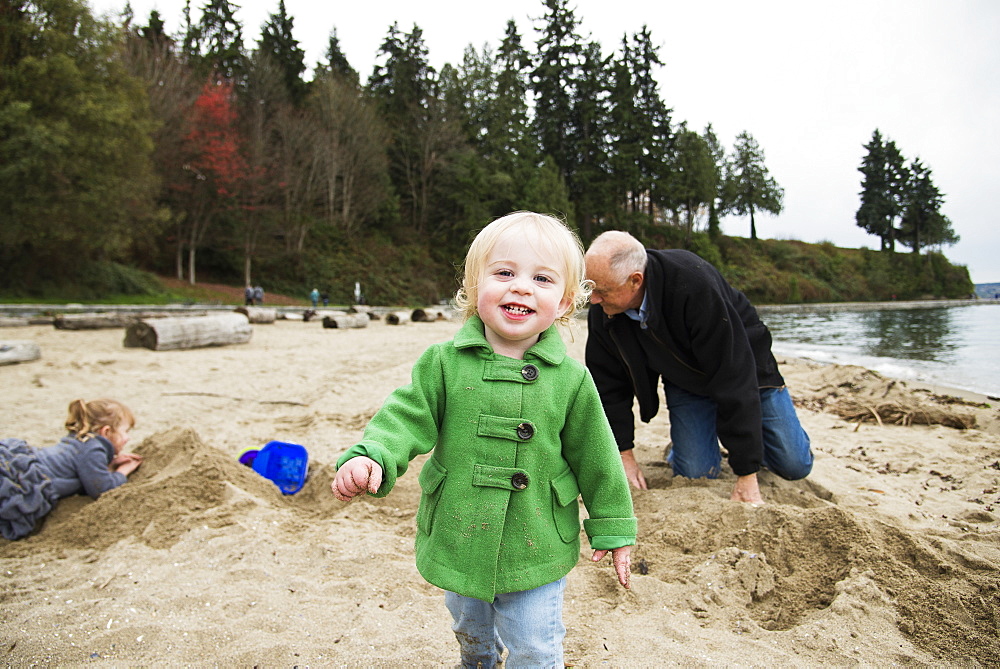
(528, 623)
(695, 449)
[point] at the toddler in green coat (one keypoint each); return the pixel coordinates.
(518, 435)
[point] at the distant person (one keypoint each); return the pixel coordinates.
(314, 297)
(516, 434)
(258, 295)
(88, 460)
(248, 296)
(670, 316)
(326, 298)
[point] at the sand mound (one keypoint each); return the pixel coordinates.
(783, 566)
(183, 483)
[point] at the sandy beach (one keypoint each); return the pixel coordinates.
(887, 555)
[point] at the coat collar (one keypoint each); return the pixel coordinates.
(550, 347)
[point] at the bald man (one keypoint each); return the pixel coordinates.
(670, 316)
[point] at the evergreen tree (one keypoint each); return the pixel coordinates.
(749, 186)
(483, 176)
(590, 185)
(655, 123)
(425, 132)
(494, 98)
(215, 43)
(17, 32)
(511, 118)
(922, 223)
(546, 192)
(76, 180)
(192, 38)
(336, 61)
(718, 154)
(559, 63)
(884, 186)
(625, 134)
(693, 182)
(283, 49)
(156, 30)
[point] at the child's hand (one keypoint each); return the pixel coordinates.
(623, 565)
(122, 458)
(126, 463)
(358, 476)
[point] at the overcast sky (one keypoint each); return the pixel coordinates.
(810, 81)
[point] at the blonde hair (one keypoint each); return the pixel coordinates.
(88, 417)
(556, 239)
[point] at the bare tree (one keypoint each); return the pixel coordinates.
(351, 153)
(264, 98)
(297, 173)
(171, 88)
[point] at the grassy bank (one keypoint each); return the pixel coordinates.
(768, 271)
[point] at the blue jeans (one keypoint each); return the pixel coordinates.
(695, 451)
(528, 623)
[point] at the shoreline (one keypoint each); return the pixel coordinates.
(872, 306)
(931, 387)
(934, 388)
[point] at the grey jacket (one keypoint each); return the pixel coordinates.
(81, 466)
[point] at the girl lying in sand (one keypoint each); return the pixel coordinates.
(87, 460)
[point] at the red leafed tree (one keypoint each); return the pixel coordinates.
(215, 165)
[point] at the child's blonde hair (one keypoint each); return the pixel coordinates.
(88, 417)
(556, 239)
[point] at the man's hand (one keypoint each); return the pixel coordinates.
(632, 470)
(622, 562)
(358, 476)
(747, 490)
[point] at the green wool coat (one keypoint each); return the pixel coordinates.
(515, 443)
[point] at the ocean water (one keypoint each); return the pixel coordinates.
(954, 346)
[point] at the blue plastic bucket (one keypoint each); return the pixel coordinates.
(283, 463)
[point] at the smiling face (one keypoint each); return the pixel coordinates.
(521, 293)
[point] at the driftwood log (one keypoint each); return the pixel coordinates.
(12, 352)
(163, 334)
(346, 321)
(94, 321)
(429, 314)
(19, 321)
(397, 317)
(314, 315)
(113, 319)
(364, 309)
(259, 314)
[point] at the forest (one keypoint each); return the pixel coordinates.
(127, 153)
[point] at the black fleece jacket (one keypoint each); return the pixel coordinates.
(702, 335)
